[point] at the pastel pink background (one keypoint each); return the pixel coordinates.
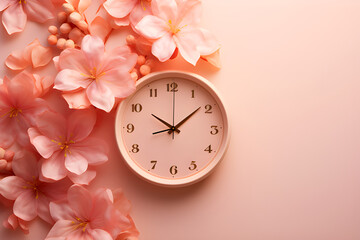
(291, 81)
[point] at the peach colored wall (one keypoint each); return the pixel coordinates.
(291, 79)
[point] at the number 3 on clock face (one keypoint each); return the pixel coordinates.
(173, 130)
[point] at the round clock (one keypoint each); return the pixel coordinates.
(173, 130)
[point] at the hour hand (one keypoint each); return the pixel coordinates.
(166, 124)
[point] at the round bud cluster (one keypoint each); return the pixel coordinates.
(143, 65)
(5, 162)
(73, 28)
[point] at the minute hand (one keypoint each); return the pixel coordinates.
(184, 120)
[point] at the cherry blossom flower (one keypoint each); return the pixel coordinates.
(34, 54)
(66, 146)
(86, 216)
(175, 25)
(31, 195)
(16, 13)
(95, 76)
(19, 108)
(124, 12)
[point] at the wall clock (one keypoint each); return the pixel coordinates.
(173, 130)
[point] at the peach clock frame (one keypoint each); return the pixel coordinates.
(196, 177)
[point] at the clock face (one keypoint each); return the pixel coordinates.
(173, 130)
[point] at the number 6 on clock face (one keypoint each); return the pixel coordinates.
(173, 130)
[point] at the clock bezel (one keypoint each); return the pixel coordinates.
(196, 177)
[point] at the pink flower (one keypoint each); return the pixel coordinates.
(125, 11)
(66, 146)
(16, 13)
(94, 76)
(18, 109)
(31, 195)
(34, 54)
(86, 216)
(175, 25)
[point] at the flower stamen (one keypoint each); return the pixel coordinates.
(174, 29)
(64, 145)
(14, 112)
(80, 224)
(93, 74)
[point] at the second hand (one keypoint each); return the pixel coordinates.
(173, 110)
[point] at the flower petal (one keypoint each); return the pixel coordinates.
(187, 42)
(166, 9)
(68, 80)
(93, 48)
(189, 13)
(140, 10)
(83, 5)
(80, 124)
(4, 4)
(43, 209)
(54, 167)
(73, 59)
(120, 83)
(39, 11)
(11, 187)
(100, 27)
(119, 58)
(61, 230)
(119, 8)
(100, 96)
(16, 61)
(77, 99)
(51, 125)
(25, 206)
(61, 211)
(80, 200)
(14, 18)
(25, 165)
(75, 162)
(94, 150)
(41, 56)
(99, 234)
(83, 179)
(152, 27)
(43, 144)
(164, 48)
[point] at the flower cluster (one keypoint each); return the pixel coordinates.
(47, 159)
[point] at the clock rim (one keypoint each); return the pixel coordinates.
(194, 178)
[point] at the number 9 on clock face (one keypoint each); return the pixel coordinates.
(173, 130)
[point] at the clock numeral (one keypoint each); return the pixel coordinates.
(173, 170)
(153, 162)
(172, 87)
(208, 108)
(135, 148)
(208, 149)
(193, 165)
(153, 92)
(192, 93)
(136, 107)
(214, 130)
(130, 128)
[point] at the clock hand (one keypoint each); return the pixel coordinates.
(161, 131)
(183, 121)
(173, 113)
(166, 124)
